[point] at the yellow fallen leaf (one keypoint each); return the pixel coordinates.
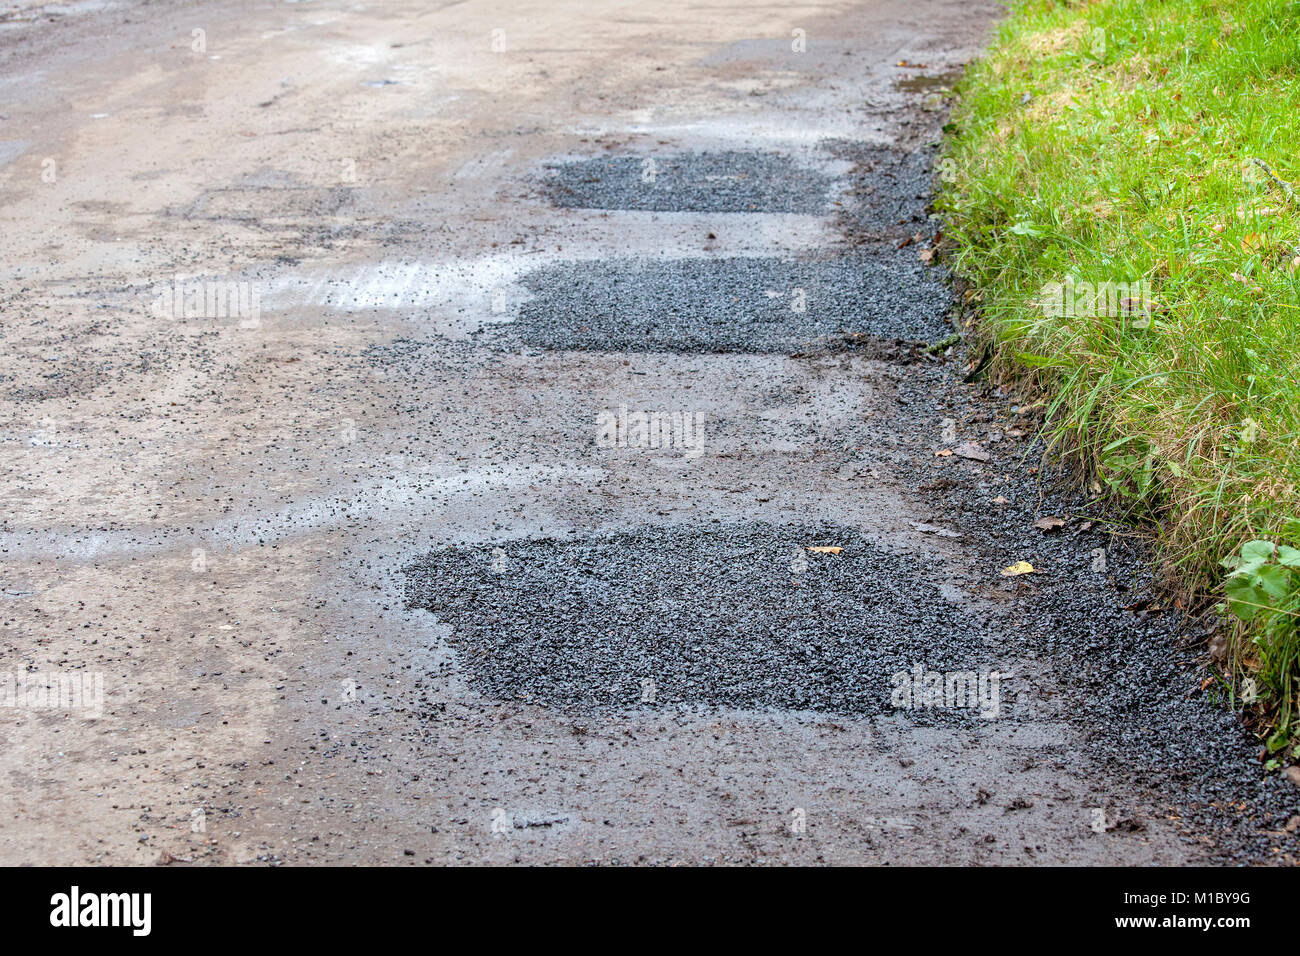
(1020, 567)
(825, 550)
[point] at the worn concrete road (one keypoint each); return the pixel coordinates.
(332, 332)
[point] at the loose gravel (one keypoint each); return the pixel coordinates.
(732, 305)
(737, 616)
(725, 181)
(1127, 666)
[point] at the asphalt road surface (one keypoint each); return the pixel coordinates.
(490, 432)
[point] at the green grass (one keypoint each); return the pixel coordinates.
(1116, 141)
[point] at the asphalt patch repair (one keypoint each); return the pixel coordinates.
(722, 181)
(742, 616)
(888, 192)
(879, 290)
(742, 304)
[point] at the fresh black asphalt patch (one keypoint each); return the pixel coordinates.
(888, 192)
(735, 616)
(725, 181)
(731, 305)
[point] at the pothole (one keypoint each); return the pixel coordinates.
(258, 204)
(742, 616)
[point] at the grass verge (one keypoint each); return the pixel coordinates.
(1116, 186)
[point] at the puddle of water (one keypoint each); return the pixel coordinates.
(922, 83)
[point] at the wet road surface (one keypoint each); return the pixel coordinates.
(506, 432)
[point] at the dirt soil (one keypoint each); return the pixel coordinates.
(382, 567)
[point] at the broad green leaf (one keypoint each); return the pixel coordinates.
(1288, 556)
(1244, 597)
(1275, 580)
(1258, 549)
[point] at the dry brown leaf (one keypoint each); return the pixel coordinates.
(1049, 524)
